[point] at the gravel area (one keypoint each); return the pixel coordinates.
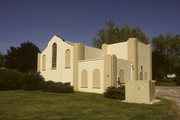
(172, 93)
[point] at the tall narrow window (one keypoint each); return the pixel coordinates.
(44, 62)
(84, 79)
(121, 75)
(96, 78)
(54, 55)
(141, 76)
(67, 58)
(145, 76)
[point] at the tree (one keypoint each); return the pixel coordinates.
(23, 58)
(2, 60)
(166, 56)
(114, 34)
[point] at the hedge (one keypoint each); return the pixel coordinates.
(12, 79)
(50, 86)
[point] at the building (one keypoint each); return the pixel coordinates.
(91, 69)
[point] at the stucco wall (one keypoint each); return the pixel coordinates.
(90, 66)
(143, 53)
(118, 49)
(60, 73)
(126, 67)
(91, 53)
(140, 91)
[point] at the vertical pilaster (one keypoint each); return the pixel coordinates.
(149, 61)
(104, 48)
(78, 55)
(114, 70)
(133, 55)
(107, 71)
(110, 70)
(38, 61)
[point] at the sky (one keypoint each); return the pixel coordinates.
(79, 20)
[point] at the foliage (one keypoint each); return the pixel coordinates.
(166, 56)
(10, 79)
(23, 58)
(32, 81)
(177, 80)
(37, 105)
(158, 61)
(50, 86)
(166, 82)
(2, 60)
(115, 92)
(114, 34)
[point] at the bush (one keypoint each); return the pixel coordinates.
(50, 86)
(177, 80)
(32, 81)
(47, 85)
(10, 79)
(115, 92)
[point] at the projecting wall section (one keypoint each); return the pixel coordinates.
(90, 66)
(78, 55)
(144, 61)
(133, 56)
(60, 73)
(110, 71)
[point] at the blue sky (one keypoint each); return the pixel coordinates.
(79, 20)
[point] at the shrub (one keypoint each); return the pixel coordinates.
(10, 79)
(177, 80)
(46, 85)
(50, 86)
(32, 81)
(115, 92)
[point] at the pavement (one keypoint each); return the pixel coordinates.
(171, 93)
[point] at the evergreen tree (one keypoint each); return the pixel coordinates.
(23, 58)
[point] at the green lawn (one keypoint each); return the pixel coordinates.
(37, 105)
(166, 84)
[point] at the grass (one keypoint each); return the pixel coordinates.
(37, 105)
(166, 84)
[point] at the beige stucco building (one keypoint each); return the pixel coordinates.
(91, 69)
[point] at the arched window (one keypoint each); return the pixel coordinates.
(141, 76)
(54, 55)
(121, 75)
(145, 76)
(44, 62)
(96, 78)
(67, 58)
(84, 79)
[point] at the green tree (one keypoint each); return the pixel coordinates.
(115, 34)
(2, 60)
(23, 58)
(166, 56)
